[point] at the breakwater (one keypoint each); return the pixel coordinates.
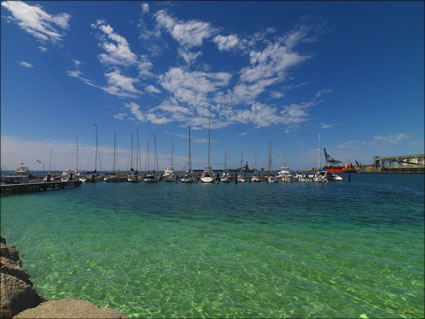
(37, 187)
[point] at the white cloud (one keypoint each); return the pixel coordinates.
(117, 49)
(25, 64)
(37, 22)
(189, 34)
(188, 56)
(225, 43)
(392, 139)
(152, 89)
(328, 125)
(135, 110)
(276, 94)
(42, 49)
(193, 87)
(145, 7)
(120, 116)
(144, 66)
(78, 75)
(242, 134)
(121, 85)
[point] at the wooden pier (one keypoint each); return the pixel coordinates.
(37, 187)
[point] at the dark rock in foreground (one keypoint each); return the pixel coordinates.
(17, 291)
(69, 308)
(19, 298)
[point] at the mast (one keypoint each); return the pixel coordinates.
(115, 150)
(190, 153)
(209, 122)
(155, 154)
(76, 158)
(96, 152)
(131, 153)
(50, 161)
(318, 152)
(270, 156)
(302, 157)
(241, 159)
(137, 149)
(147, 157)
(225, 159)
(172, 152)
(255, 159)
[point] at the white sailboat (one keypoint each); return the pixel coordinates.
(188, 176)
(114, 177)
(256, 178)
(225, 177)
(208, 174)
(134, 176)
(169, 173)
(241, 178)
(270, 178)
(152, 176)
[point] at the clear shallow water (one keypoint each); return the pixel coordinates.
(247, 250)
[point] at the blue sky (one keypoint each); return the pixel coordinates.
(263, 72)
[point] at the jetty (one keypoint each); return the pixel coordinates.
(37, 187)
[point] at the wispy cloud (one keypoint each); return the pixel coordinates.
(226, 43)
(152, 89)
(392, 138)
(37, 22)
(42, 49)
(145, 7)
(117, 48)
(188, 34)
(120, 116)
(25, 64)
(329, 125)
(242, 134)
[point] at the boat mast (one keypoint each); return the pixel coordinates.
(131, 153)
(241, 159)
(318, 152)
(76, 159)
(115, 150)
(155, 154)
(96, 152)
(137, 149)
(50, 161)
(302, 157)
(172, 152)
(255, 158)
(147, 158)
(190, 154)
(270, 156)
(209, 122)
(225, 159)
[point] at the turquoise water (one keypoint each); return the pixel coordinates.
(248, 250)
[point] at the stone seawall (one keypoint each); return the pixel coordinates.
(19, 298)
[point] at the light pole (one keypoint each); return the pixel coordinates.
(38, 161)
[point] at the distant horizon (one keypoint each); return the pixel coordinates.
(275, 72)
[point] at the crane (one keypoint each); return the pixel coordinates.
(329, 160)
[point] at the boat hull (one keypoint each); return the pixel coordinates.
(339, 169)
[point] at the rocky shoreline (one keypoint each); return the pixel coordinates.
(20, 298)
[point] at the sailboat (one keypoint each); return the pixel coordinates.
(256, 178)
(134, 176)
(241, 178)
(320, 175)
(208, 174)
(94, 176)
(303, 178)
(271, 178)
(169, 174)
(114, 177)
(225, 177)
(152, 176)
(188, 176)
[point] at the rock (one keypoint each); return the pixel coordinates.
(10, 252)
(16, 295)
(2, 240)
(70, 308)
(15, 271)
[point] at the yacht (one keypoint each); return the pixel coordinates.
(241, 178)
(256, 178)
(320, 176)
(332, 177)
(169, 173)
(152, 176)
(225, 177)
(284, 175)
(66, 175)
(188, 176)
(208, 173)
(271, 179)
